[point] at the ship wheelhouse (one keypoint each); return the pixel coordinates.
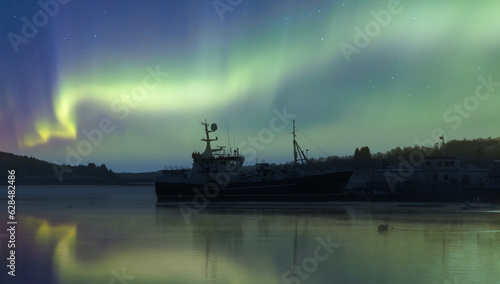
(213, 161)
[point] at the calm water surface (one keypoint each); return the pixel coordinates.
(115, 234)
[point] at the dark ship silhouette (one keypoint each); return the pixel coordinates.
(437, 179)
(218, 175)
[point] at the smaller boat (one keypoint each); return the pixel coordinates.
(217, 175)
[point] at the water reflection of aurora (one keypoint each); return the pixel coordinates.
(147, 264)
(257, 245)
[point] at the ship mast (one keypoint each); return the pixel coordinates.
(442, 146)
(298, 154)
(208, 150)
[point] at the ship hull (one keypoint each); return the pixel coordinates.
(324, 187)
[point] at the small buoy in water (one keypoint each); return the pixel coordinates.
(383, 228)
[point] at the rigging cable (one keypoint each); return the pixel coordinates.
(312, 142)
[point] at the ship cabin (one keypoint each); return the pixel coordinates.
(443, 163)
(451, 171)
(437, 172)
(213, 161)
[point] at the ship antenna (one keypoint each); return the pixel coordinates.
(228, 140)
(442, 138)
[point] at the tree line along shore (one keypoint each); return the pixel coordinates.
(479, 152)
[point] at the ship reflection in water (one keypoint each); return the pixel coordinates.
(129, 238)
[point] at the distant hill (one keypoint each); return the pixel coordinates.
(31, 170)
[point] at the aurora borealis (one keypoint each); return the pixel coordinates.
(155, 69)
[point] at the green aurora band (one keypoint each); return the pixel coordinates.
(426, 60)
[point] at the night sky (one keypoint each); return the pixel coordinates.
(133, 79)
